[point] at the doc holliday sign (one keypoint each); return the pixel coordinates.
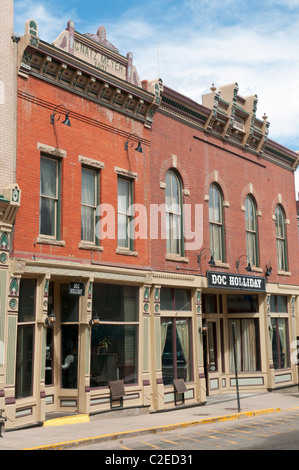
(236, 281)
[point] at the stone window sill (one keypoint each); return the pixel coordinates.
(50, 241)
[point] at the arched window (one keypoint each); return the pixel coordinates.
(216, 222)
(281, 242)
(251, 231)
(173, 203)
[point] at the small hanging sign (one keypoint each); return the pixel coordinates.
(76, 288)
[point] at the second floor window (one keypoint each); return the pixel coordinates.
(251, 231)
(49, 197)
(124, 213)
(89, 201)
(173, 207)
(216, 222)
(281, 239)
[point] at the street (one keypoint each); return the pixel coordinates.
(276, 431)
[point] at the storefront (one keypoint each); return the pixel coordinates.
(264, 329)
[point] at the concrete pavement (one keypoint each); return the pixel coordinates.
(72, 431)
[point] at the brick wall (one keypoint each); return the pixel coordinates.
(96, 133)
(205, 159)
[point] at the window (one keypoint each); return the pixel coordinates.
(25, 339)
(124, 216)
(49, 197)
(280, 343)
(242, 303)
(114, 344)
(176, 349)
(175, 299)
(251, 231)
(173, 207)
(280, 337)
(246, 345)
(89, 202)
(69, 338)
(280, 239)
(216, 222)
(278, 304)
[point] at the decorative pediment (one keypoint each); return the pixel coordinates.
(90, 66)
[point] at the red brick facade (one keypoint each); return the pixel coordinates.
(96, 133)
(202, 159)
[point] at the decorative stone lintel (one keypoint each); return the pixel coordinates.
(127, 173)
(51, 150)
(91, 162)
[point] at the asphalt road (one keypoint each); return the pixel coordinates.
(277, 431)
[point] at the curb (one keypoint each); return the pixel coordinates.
(84, 418)
(154, 430)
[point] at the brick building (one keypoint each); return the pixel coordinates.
(129, 189)
(238, 265)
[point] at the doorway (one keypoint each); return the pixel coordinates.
(62, 347)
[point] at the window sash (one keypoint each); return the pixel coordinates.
(216, 223)
(124, 214)
(251, 231)
(173, 209)
(89, 202)
(49, 197)
(280, 239)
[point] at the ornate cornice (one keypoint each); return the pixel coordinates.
(67, 71)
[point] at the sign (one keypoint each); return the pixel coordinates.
(76, 288)
(236, 281)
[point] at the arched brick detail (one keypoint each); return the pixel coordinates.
(167, 165)
(212, 178)
(279, 201)
(249, 189)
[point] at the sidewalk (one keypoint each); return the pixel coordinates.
(73, 431)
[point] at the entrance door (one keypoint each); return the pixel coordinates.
(69, 323)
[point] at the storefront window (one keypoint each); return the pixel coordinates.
(280, 343)
(25, 339)
(114, 343)
(246, 344)
(176, 350)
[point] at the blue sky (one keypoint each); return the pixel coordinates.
(191, 44)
